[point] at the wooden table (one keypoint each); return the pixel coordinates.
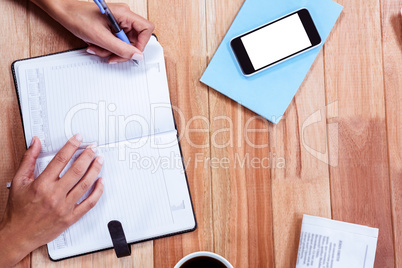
(346, 166)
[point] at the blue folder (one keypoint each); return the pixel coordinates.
(269, 92)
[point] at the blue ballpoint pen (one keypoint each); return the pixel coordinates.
(113, 23)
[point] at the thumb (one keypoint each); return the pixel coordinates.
(120, 48)
(27, 166)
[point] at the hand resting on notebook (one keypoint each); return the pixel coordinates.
(86, 22)
(39, 210)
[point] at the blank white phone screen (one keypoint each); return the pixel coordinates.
(276, 41)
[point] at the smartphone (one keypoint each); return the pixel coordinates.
(275, 42)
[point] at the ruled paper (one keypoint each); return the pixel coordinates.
(147, 193)
(75, 92)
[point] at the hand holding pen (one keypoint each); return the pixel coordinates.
(86, 22)
(115, 27)
(138, 31)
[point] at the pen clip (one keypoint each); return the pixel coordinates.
(99, 4)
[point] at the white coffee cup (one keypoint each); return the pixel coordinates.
(203, 254)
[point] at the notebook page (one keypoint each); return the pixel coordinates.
(144, 188)
(41, 60)
(75, 92)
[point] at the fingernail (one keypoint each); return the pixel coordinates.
(100, 160)
(137, 56)
(101, 180)
(32, 141)
(93, 148)
(112, 62)
(78, 137)
(90, 51)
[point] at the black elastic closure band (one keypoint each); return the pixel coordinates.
(120, 245)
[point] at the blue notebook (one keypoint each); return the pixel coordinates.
(269, 92)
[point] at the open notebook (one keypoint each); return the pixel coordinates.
(125, 109)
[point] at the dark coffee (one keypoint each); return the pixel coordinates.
(203, 262)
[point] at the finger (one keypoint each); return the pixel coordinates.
(78, 168)
(87, 180)
(144, 30)
(120, 48)
(61, 159)
(116, 59)
(137, 28)
(103, 53)
(95, 50)
(90, 201)
(27, 166)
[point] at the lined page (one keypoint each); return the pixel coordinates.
(145, 189)
(75, 92)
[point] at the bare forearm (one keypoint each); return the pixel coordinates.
(49, 6)
(57, 9)
(13, 248)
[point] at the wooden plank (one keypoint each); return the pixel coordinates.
(14, 42)
(14, 45)
(40, 258)
(180, 27)
(241, 188)
(360, 187)
(302, 187)
(392, 43)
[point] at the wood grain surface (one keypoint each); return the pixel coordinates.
(302, 187)
(336, 153)
(180, 27)
(241, 193)
(360, 186)
(392, 59)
